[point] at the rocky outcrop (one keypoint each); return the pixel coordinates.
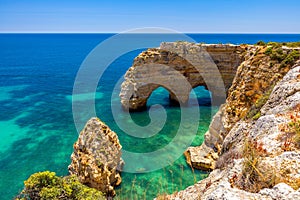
(259, 156)
(96, 159)
(249, 73)
(179, 67)
(254, 80)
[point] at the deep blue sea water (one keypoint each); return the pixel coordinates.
(37, 74)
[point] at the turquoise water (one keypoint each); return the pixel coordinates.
(37, 73)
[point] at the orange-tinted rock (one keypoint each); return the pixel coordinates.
(96, 159)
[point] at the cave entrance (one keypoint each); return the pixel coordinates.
(160, 96)
(200, 96)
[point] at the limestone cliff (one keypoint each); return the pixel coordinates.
(252, 146)
(254, 137)
(261, 158)
(254, 80)
(149, 71)
(96, 159)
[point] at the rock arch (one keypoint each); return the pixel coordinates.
(160, 67)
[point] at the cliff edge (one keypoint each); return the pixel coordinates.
(261, 158)
(252, 146)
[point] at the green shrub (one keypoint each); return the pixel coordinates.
(288, 44)
(261, 43)
(254, 112)
(284, 58)
(275, 53)
(46, 185)
(257, 116)
(269, 51)
(278, 54)
(292, 57)
(292, 44)
(274, 44)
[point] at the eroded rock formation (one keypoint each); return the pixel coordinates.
(261, 158)
(254, 80)
(96, 159)
(179, 67)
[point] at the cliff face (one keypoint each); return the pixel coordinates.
(96, 159)
(252, 145)
(199, 64)
(261, 158)
(251, 87)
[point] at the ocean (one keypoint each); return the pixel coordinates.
(37, 75)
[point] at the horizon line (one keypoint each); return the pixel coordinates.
(296, 33)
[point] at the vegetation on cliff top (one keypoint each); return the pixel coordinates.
(287, 44)
(277, 52)
(46, 185)
(285, 58)
(280, 60)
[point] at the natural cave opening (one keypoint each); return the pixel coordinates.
(201, 96)
(160, 96)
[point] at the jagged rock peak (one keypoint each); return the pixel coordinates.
(96, 159)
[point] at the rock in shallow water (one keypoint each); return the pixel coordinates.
(96, 159)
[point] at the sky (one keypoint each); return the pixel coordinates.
(114, 16)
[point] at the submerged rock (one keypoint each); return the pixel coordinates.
(96, 159)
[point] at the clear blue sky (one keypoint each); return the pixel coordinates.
(211, 16)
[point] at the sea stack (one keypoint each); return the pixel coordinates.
(96, 159)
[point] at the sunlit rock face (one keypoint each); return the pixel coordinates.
(260, 156)
(252, 144)
(96, 159)
(254, 80)
(210, 65)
